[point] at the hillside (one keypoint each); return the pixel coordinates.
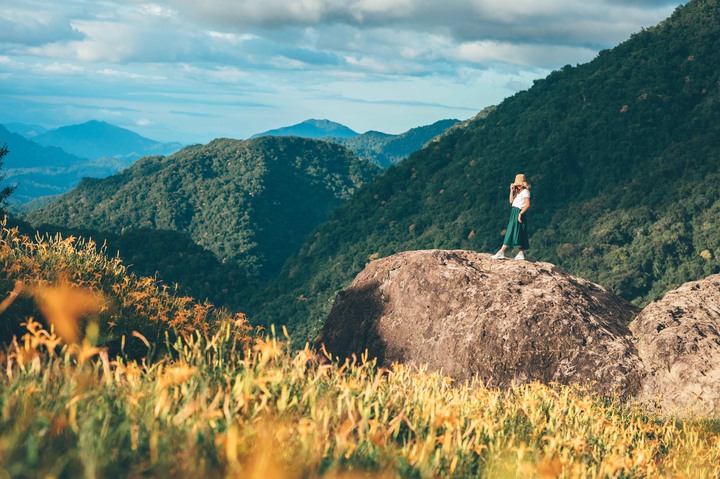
(312, 129)
(98, 139)
(621, 153)
(69, 282)
(248, 202)
(385, 149)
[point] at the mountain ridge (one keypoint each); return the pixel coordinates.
(98, 139)
(618, 150)
(311, 128)
(41, 171)
(52, 162)
(386, 149)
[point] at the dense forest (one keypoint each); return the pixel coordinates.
(622, 155)
(250, 202)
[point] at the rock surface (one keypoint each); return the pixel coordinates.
(678, 340)
(501, 322)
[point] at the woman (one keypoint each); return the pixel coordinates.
(517, 233)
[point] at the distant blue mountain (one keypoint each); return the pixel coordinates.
(24, 153)
(27, 130)
(312, 129)
(39, 171)
(98, 139)
(56, 160)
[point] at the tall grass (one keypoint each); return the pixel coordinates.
(225, 402)
(223, 407)
(71, 281)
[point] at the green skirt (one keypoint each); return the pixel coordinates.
(517, 233)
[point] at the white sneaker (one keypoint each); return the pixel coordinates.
(499, 255)
(520, 256)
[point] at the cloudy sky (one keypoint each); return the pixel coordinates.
(193, 70)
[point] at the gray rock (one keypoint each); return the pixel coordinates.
(501, 322)
(678, 340)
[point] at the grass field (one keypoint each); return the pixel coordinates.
(220, 406)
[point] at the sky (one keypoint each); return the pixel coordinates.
(194, 70)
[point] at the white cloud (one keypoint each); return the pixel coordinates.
(464, 19)
(528, 56)
(232, 38)
(157, 10)
(112, 73)
(60, 68)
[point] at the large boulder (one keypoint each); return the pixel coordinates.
(500, 322)
(678, 340)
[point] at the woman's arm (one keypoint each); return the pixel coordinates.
(512, 194)
(527, 207)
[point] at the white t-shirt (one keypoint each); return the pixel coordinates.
(519, 200)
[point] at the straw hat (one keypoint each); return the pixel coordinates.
(520, 180)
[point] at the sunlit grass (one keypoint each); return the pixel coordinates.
(223, 407)
(72, 282)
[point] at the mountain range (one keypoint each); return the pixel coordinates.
(383, 149)
(42, 171)
(99, 139)
(622, 156)
(166, 249)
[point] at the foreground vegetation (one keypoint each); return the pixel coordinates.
(222, 400)
(71, 284)
(220, 406)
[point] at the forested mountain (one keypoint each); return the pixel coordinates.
(622, 153)
(312, 129)
(248, 202)
(98, 139)
(385, 150)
